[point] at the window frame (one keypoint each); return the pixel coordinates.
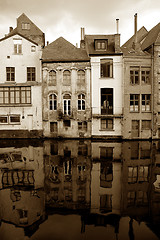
(67, 104)
(66, 78)
(52, 102)
(10, 74)
(15, 95)
(136, 98)
(17, 46)
(31, 74)
(145, 101)
(54, 127)
(134, 75)
(81, 75)
(9, 121)
(105, 125)
(106, 68)
(81, 102)
(52, 77)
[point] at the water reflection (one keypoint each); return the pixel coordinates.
(79, 190)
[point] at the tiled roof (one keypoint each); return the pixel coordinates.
(15, 32)
(151, 37)
(128, 47)
(62, 50)
(90, 44)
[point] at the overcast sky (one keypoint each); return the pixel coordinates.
(65, 17)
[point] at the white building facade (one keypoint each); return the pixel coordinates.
(20, 87)
(106, 84)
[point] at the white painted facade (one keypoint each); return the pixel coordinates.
(115, 83)
(30, 113)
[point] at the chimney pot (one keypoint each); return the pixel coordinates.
(135, 23)
(47, 43)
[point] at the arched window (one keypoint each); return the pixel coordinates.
(52, 102)
(67, 78)
(81, 77)
(81, 102)
(67, 104)
(52, 77)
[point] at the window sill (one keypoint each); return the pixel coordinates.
(103, 78)
(16, 105)
(107, 130)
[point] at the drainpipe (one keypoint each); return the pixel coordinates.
(152, 90)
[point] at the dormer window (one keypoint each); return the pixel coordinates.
(25, 26)
(101, 44)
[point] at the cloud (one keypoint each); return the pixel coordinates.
(64, 18)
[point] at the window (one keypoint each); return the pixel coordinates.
(33, 48)
(10, 119)
(106, 68)
(15, 95)
(54, 149)
(66, 123)
(26, 26)
(82, 150)
(82, 126)
(146, 102)
(131, 196)
(106, 101)
(143, 174)
(81, 102)
(145, 76)
(134, 102)
(106, 124)
(31, 74)
(10, 74)
(106, 153)
(14, 119)
(134, 76)
(132, 174)
(66, 78)
(52, 102)
(17, 46)
(101, 44)
(67, 104)
(53, 126)
(52, 77)
(81, 77)
(146, 124)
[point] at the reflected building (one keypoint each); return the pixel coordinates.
(67, 174)
(21, 189)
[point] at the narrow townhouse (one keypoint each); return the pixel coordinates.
(20, 81)
(66, 90)
(141, 84)
(106, 83)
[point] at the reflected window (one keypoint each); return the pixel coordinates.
(132, 174)
(54, 149)
(134, 150)
(82, 150)
(143, 172)
(106, 153)
(105, 203)
(142, 198)
(23, 216)
(68, 194)
(131, 196)
(106, 176)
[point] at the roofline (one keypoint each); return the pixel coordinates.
(105, 54)
(62, 61)
(11, 35)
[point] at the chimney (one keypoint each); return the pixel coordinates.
(47, 43)
(82, 42)
(10, 29)
(135, 23)
(117, 24)
(136, 44)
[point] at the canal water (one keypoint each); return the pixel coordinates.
(79, 190)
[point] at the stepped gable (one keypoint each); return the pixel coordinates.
(63, 51)
(151, 37)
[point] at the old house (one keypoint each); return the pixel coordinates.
(141, 84)
(66, 90)
(106, 82)
(20, 81)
